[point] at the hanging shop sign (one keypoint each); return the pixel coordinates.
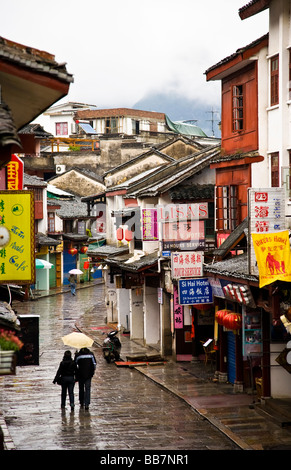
(149, 225)
(266, 209)
(216, 286)
(17, 237)
(14, 175)
(194, 291)
(273, 256)
(178, 310)
(187, 264)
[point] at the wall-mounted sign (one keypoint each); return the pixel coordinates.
(149, 225)
(183, 235)
(194, 291)
(17, 237)
(175, 212)
(187, 264)
(266, 209)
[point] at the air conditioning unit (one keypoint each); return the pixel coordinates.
(60, 169)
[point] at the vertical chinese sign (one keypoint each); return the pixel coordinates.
(266, 209)
(149, 225)
(178, 311)
(14, 175)
(17, 237)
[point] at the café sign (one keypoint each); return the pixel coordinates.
(17, 237)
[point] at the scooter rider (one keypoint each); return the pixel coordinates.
(86, 365)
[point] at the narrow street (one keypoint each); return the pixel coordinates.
(127, 412)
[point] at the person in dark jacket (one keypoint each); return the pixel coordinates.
(86, 365)
(65, 376)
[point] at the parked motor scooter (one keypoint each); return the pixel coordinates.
(111, 347)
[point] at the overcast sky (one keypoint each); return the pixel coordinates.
(121, 50)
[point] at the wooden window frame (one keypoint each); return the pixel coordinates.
(237, 108)
(275, 167)
(274, 80)
(227, 207)
(61, 127)
(51, 222)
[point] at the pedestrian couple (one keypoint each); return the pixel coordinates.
(81, 370)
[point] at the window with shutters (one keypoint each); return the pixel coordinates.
(51, 222)
(274, 85)
(237, 108)
(227, 207)
(62, 128)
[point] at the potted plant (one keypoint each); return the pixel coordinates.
(9, 345)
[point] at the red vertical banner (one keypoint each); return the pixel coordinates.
(178, 311)
(15, 171)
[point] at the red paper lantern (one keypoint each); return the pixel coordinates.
(119, 234)
(232, 321)
(86, 264)
(73, 251)
(128, 235)
(220, 314)
(84, 249)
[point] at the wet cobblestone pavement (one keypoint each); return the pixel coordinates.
(162, 407)
(127, 412)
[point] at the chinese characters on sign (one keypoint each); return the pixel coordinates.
(266, 215)
(16, 237)
(149, 224)
(194, 291)
(15, 169)
(273, 256)
(183, 235)
(178, 311)
(187, 264)
(182, 227)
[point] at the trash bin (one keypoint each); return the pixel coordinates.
(29, 335)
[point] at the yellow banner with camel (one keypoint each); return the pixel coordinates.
(273, 256)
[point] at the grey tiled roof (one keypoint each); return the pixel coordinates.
(71, 208)
(31, 180)
(33, 59)
(236, 267)
(8, 133)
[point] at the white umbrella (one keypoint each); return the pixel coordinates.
(43, 264)
(76, 271)
(77, 340)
